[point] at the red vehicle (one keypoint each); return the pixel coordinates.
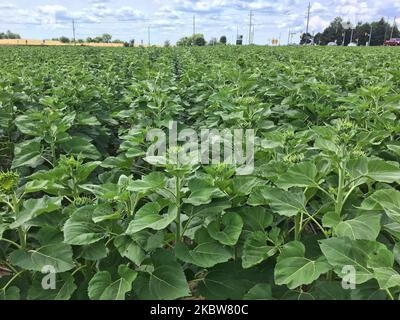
(392, 42)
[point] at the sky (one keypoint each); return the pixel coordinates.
(172, 19)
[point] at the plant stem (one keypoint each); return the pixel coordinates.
(389, 294)
(22, 238)
(11, 242)
(134, 204)
(178, 205)
(298, 221)
(339, 199)
(12, 279)
(21, 233)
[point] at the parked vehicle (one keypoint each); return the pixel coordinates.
(392, 42)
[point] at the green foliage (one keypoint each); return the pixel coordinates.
(78, 193)
(194, 40)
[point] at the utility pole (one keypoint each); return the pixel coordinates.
(288, 38)
(148, 35)
(351, 36)
(370, 36)
(308, 17)
(194, 24)
(250, 26)
(386, 29)
(394, 23)
(73, 31)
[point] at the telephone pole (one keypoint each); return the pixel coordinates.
(288, 38)
(394, 23)
(148, 35)
(73, 31)
(250, 26)
(308, 17)
(194, 24)
(386, 29)
(370, 36)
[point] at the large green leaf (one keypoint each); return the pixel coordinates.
(282, 202)
(256, 249)
(261, 291)
(151, 182)
(64, 288)
(255, 218)
(365, 226)
(387, 200)
(149, 216)
(363, 255)
(294, 269)
(203, 196)
(82, 147)
(130, 249)
(57, 256)
(375, 169)
(228, 230)
(387, 278)
(206, 253)
(230, 281)
(33, 208)
(102, 287)
(80, 229)
(300, 175)
(166, 281)
(27, 153)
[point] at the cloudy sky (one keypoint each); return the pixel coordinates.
(172, 19)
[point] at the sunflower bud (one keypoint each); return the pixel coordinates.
(8, 181)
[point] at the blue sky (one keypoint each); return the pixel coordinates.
(172, 19)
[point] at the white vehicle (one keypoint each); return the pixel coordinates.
(332, 44)
(352, 44)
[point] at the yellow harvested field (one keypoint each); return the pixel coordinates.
(27, 42)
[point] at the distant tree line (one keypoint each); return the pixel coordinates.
(382, 30)
(104, 38)
(9, 35)
(198, 40)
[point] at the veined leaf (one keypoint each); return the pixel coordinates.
(148, 217)
(300, 175)
(228, 231)
(362, 255)
(207, 253)
(81, 230)
(294, 269)
(365, 226)
(101, 286)
(282, 202)
(57, 256)
(256, 249)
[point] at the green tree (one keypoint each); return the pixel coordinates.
(222, 40)
(64, 39)
(195, 40)
(198, 40)
(106, 37)
(9, 35)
